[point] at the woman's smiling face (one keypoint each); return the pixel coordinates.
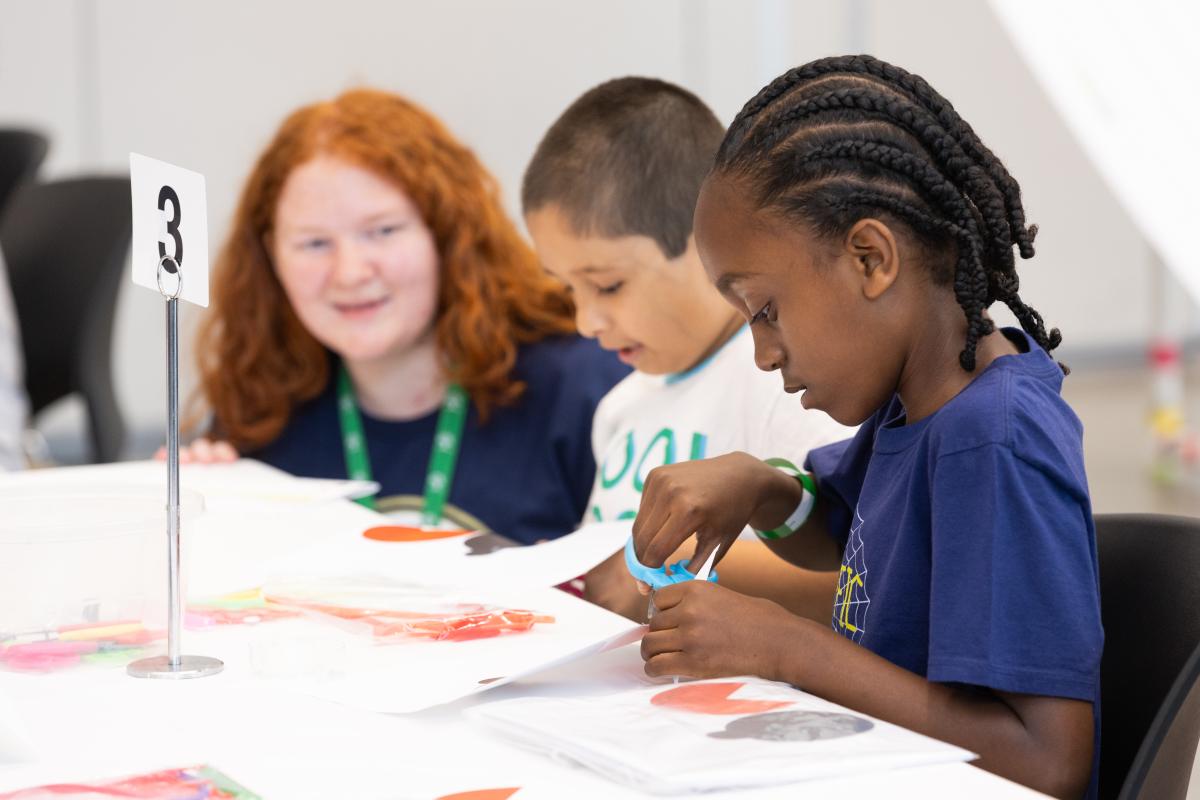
(355, 258)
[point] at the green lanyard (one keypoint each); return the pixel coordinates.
(446, 441)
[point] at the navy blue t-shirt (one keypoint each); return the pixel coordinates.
(525, 474)
(970, 552)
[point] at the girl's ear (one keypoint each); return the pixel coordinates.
(876, 257)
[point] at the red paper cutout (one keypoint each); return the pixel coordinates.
(712, 698)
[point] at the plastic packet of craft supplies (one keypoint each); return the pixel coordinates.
(394, 611)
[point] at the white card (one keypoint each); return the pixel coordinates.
(170, 218)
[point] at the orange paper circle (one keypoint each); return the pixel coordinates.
(407, 533)
(483, 794)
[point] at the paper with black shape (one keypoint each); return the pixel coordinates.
(732, 733)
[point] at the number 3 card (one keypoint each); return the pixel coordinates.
(170, 218)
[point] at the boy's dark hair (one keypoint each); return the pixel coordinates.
(844, 138)
(627, 158)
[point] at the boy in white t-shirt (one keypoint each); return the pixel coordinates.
(608, 199)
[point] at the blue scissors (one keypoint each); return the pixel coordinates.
(663, 576)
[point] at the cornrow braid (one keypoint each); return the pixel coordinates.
(970, 277)
(920, 91)
(917, 121)
(843, 138)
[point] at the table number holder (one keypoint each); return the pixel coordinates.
(173, 665)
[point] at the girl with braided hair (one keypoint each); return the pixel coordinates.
(863, 229)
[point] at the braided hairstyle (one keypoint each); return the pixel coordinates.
(848, 137)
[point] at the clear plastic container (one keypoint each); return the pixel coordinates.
(85, 555)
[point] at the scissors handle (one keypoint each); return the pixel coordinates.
(662, 576)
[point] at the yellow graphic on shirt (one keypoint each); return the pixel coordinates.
(851, 603)
(847, 582)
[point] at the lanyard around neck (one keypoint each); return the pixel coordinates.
(446, 442)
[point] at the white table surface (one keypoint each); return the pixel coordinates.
(95, 723)
(89, 724)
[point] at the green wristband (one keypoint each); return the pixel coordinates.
(808, 499)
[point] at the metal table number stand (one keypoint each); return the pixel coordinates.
(173, 665)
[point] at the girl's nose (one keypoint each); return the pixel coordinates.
(768, 354)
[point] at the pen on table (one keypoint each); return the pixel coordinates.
(74, 646)
(74, 633)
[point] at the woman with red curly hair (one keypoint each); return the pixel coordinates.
(376, 314)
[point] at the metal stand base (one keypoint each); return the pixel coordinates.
(188, 667)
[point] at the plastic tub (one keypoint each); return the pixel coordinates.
(85, 555)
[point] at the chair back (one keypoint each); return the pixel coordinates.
(21, 153)
(1150, 605)
(66, 245)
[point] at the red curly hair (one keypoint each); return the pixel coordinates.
(257, 360)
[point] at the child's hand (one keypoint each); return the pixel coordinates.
(202, 451)
(713, 498)
(703, 630)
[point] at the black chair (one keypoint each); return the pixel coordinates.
(1150, 673)
(66, 244)
(21, 153)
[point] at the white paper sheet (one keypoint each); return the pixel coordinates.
(15, 746)
(231, 549)
(711, 735)
(252, 513)
(553, 562)
(453, 562)
(236, 483)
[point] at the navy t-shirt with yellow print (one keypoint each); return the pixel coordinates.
(525, 474)
(970, 552)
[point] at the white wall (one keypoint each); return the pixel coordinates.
(203, 84)
(1091, 275)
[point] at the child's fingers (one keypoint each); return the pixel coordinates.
(666, 599)
(642, 587)
(655, 643)
(668, 665)
(650, 517)
(675, 530)
(160, 454)
(663, 621)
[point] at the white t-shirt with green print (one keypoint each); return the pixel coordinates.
(724, 404)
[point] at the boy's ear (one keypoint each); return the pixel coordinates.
(872, 246)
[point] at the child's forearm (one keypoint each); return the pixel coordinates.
(1042, 742)
(811, 547)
